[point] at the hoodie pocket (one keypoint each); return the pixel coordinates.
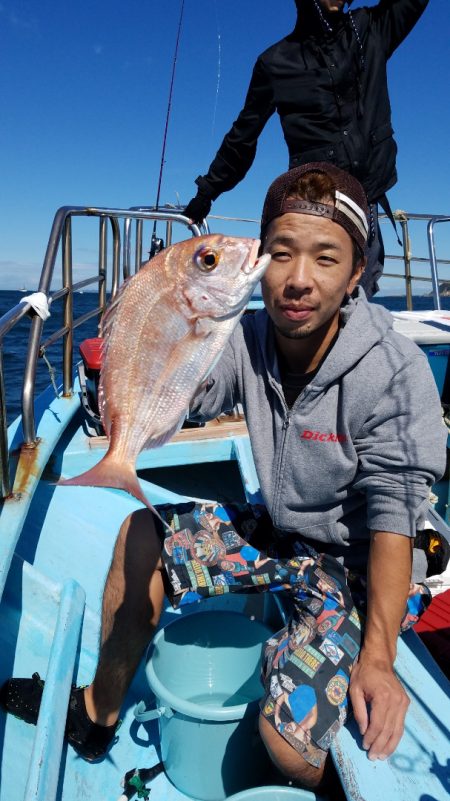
(304, 94)
(382, 156)
(381, 133)
(324, 532)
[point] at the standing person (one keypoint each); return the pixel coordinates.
(327, 81)
(336, 404)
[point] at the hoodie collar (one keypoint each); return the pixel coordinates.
(310, 24)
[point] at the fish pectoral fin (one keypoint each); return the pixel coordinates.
(203, 327)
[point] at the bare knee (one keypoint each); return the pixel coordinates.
(134, 585)
(288, 761)
(135, 574)
(138, 543)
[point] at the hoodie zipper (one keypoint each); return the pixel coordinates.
(284, 429)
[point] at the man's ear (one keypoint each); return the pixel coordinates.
(356, 275)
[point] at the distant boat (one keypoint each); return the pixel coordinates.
(444, 289)
(23, 289)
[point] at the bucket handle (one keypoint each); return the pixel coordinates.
(142, 714)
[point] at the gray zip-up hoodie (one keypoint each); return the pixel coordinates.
(362, 444)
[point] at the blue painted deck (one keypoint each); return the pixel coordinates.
(419, 769)
(55, 549)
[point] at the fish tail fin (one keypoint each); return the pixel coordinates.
(117, 475)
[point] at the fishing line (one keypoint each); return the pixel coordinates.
(219, 68)
(169, 105)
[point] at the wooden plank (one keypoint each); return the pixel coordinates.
(215, 429)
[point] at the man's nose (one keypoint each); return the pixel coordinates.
(300, 276)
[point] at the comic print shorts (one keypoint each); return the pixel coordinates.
(215, 549)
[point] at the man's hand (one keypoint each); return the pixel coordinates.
(198, 208)
(379, 705)
(379, 700)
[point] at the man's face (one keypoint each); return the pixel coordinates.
(332, 5)
(309, 274)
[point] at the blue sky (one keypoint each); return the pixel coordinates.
(84, 89)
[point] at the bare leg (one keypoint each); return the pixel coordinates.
(288, 761)
(132, 603)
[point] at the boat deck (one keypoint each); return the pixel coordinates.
(58, 549)
(55, 549)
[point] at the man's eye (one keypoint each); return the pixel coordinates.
(327, 260)
(280, 255)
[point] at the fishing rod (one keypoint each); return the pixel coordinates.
(156, 242)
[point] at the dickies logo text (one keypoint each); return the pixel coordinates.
(321, 436)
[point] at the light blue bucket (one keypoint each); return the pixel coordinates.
(274, 794)
(204, 669)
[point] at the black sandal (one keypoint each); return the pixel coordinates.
(90, 740)
(22, 698)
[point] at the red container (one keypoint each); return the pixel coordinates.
(434, 630)
(91, 352)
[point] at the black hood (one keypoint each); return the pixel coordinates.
(310, 20)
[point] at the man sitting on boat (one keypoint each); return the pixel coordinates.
(345, 426)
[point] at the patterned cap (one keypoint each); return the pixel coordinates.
(350, 207)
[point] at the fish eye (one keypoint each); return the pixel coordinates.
(207, 259)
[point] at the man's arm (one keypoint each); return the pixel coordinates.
(238, 149)
(401, 446)
(402, 452)
(379, 700)
(395, 19)
(218, 392)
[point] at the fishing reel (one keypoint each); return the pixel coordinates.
(156, 246)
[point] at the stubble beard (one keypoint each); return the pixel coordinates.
(299, 333)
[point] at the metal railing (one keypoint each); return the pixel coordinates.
(61, 240)
(407, 258)
(433, 260)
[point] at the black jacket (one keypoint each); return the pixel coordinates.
(330, 91)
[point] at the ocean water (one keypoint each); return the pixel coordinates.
(15, 345)
(16, 342)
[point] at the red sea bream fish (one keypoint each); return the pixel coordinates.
(163, 333)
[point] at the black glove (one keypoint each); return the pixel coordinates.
(199, 207)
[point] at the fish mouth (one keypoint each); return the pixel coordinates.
(251, 266)
(246, 279)
(252, 262)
